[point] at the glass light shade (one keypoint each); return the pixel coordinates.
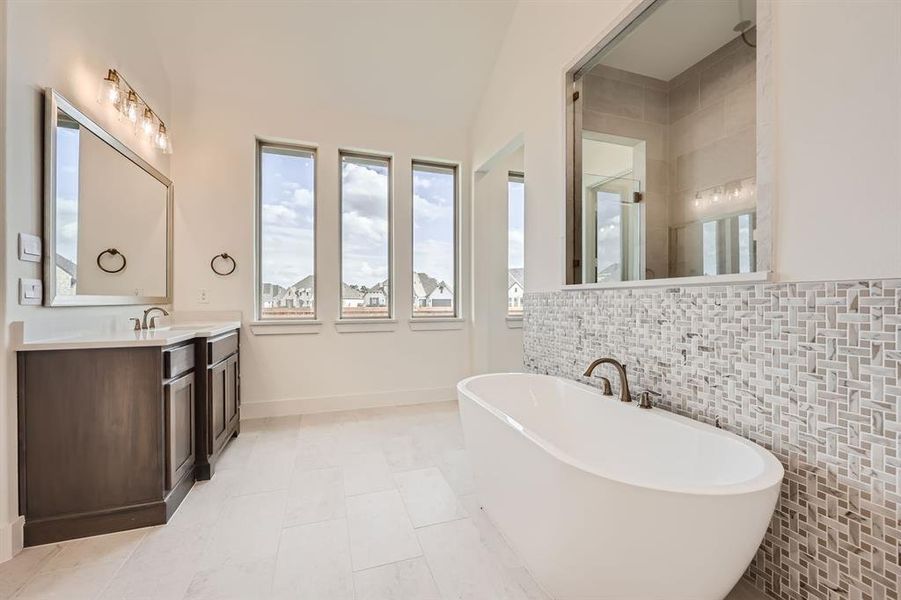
(109, 89)
(146, 123)
(130, 109)
(162, 140)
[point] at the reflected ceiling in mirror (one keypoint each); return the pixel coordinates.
(663, 147)
(107, 216)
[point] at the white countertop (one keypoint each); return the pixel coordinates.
(120, 337)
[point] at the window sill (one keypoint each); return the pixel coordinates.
(437, 323)
(365, 325)
(286, 327)
(514, 322)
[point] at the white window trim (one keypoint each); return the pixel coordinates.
(456, 168)
(389, 158)
(519, 176)
(258, 233)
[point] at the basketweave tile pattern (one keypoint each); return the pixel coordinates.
(811, 371)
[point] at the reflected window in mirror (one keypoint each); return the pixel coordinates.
(663, 177)
(286, 288)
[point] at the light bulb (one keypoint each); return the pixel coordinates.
(162, 140)
(130, 108)
(146, 123)
(109, 89)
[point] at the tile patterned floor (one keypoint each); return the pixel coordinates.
(361, 505)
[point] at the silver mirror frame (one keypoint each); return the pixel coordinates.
(53, 102)
(766, 188)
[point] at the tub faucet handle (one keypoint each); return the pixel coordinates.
(644, 400)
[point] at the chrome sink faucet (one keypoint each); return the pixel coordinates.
(624, 394)
(152, 323)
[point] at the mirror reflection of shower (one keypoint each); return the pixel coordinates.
(665, 171)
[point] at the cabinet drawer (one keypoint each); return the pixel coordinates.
(177, 361)
(222, 347)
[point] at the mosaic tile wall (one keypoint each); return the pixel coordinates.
(811, 371)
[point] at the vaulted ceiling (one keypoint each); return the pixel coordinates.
(414, 61)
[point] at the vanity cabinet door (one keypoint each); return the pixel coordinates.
(231, 389)
(180, 427)
(218, 398)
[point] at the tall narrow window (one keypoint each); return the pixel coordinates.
(434, 240)
(287, 259)
(515, 243)
(366, 289)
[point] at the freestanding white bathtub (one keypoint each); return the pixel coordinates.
(605, 500)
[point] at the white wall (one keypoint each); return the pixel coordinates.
(215, 125)
(497, 342)
(8, 545)
(836, 83)
(838, 94)
(68, 46)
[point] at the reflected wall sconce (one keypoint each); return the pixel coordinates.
(118, 93)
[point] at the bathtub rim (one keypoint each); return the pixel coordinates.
(771, 476)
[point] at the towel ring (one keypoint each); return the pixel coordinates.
(223, 256)
(111, 252)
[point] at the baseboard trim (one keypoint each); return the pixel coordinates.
(302, 406)
(12, 538)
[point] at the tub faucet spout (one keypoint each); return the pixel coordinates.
(624, 394)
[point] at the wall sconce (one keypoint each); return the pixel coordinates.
(118, 93)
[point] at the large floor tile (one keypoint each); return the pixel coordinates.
(247, 530)
(366, 472)
(464, 568)
(315, 496)
(404, 580)
(380, 530)
(113, 548)
(455, 467)
(239, 581)
(77, 583)
(14, 574)
(428, 497)
(314, 562)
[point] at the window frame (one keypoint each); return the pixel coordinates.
(455, 168)
(291, 147)
(520, 177)
(375, 157)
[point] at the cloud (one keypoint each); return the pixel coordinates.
(430, 210)
(436, 259)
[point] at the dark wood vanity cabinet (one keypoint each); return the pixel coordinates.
(218, 398)
(113, 438)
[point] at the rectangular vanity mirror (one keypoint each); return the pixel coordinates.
(662, 147)
(107, 216)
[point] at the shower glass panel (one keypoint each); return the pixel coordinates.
(617, 229)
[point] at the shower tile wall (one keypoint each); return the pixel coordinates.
(699, 128)
(811, 371)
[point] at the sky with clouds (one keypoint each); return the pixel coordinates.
(364, 221)
(287, 216)
(516, 194)
(433, 223)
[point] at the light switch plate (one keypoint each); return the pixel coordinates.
(29, 247)
(31, 292)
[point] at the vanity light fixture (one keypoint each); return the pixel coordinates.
(118, 93)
